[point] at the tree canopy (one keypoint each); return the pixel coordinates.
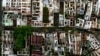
(45, 15)
(20, 35)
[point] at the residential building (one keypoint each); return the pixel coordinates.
(94, 43)
(94, 21)
(56, 6)
(23, 6)
(37, 14)
(75, 45)
(37, 38)
(9, 18)
(13, 19)
(37, 41)
(80, 23)
(37, 8)
(7, 43)
(61, 21)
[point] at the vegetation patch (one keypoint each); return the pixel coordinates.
(45, 15)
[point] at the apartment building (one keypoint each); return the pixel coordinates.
(37, 41)
(74, 40)
(94, 43)
(73, 7)
(37, 13)
(9, 18)
(7, 43)
(23, 6)
(37, 8)
(13, 19)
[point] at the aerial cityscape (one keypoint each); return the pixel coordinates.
(49, 27)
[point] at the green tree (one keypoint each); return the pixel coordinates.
(19, 43)
(20, 35)
(45, 15)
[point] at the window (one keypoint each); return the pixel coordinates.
(14, 0)
(23, 0)
(37, 4)
(50, 5)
